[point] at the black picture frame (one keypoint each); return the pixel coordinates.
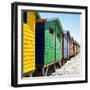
(14, 43)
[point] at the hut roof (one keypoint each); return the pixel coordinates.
(57, 21)
(41, 20)
(38, 15)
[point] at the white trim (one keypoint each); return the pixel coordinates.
(51, 79)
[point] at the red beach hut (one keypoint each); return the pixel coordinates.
(71, 47)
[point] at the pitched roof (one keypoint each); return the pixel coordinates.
(58, 21)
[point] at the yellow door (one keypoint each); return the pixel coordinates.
(29, 43)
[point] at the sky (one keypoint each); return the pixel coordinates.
(70, 22)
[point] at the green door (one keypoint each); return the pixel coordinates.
(52, 46)
(49, 46)
(58, 47)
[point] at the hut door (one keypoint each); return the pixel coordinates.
(28, 43)
(58, 47)
(51, 46)
(65, 47)
(40, 44)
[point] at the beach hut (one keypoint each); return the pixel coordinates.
(55, 25)
(59, 32)
(40, 43)
(48, 42)
(78, 48)
(71, 47)
(75, 47)
(66, 44)
(45, 43)
(28, 42)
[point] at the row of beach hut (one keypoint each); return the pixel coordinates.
(45, 43)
